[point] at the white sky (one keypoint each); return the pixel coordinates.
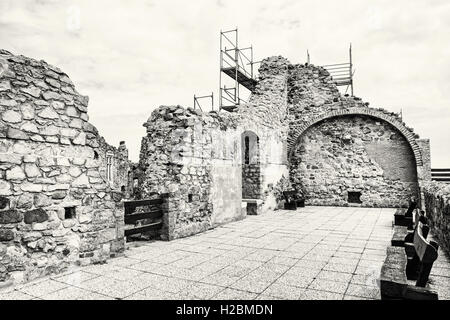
(130, 57)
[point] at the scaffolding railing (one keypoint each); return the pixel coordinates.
(341, 73)
(237, 63)
(197, 99)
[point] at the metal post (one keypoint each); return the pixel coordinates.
(251, 60)
(194, 101)
(351, 68)
(220, 73)
(212, 100)
(307, 56)
(236, 57)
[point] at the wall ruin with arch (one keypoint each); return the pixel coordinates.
(199, 158)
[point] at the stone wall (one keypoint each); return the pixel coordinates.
(355, 154)
(179, 158)
(120, 165)
(56, 207)
(436, 203)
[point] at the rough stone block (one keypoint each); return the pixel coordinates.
(4, 202)
(37, 215)
(6, 235)
(10, 216)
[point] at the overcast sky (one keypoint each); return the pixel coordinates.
(130, 57)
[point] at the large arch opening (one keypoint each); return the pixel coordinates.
(354, 160)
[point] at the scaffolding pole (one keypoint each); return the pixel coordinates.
(197, 103)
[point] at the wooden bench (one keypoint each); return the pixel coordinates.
(292, 200)
(398, 268)
(402, 234)
(404, 217)
(144, 221)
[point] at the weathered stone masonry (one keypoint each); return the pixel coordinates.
(61, 184)
(301, 129)
(436, 203)
(56, 206)
(338, 145)
(198, 158)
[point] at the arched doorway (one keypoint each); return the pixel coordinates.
(251, 171)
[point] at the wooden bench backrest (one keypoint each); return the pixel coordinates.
(420, 216)
(411, 208)
(290, 195)
(426, 251)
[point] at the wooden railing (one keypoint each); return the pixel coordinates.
(151, 217)
(442, 175)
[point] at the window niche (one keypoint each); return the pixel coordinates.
(69, 213)
(354, 197)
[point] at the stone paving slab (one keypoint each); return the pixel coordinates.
(314, 253)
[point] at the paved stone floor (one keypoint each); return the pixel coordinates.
(311, 253)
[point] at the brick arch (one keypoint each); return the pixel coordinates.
(409, 136)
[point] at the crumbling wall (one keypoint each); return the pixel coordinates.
(349, 152)
(197, 157)
(178, 157)
(118, 165)
(56, 208)
(266, 114)
(436, 202)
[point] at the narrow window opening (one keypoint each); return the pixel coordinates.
(190, 197)
(247, 150)
(69, 212)
(95, 154)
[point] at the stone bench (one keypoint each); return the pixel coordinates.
(253, 206)
(292, 200)
(399, 271)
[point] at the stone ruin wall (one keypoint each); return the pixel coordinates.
(348, 152)
(266, 115)
(436, 203)
(197, 157)
(120, 165)
(179, 158)
(52, 158)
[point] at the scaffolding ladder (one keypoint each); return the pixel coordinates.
(237, 63)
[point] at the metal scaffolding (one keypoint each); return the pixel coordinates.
(237, 63)
(197, 103)
(342, 73)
